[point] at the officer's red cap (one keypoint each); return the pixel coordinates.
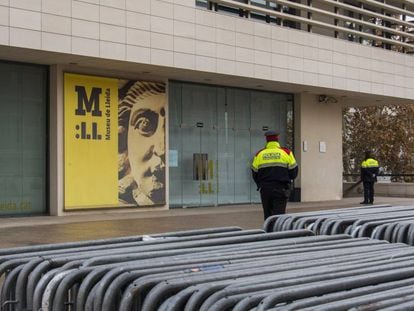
(272, 136)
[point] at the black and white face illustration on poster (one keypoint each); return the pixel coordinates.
(141, 144)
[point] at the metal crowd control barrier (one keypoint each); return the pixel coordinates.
(213, 269)
(391, 223)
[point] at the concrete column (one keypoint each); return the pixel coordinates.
(318, 148)
(56, 141)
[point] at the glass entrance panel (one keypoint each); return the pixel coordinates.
(199, 145)
(214, 134)
(175, 167)
(264, 111)
(209, 168)
(257, 142)
(225, 138)
(191, 166)
(234, 147)
(23, 120)
(225, 166)
(242, 164)
(199, 105)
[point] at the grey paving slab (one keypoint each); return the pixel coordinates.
(20, 231)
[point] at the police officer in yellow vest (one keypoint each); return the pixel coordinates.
(273, 169)
(369, 173)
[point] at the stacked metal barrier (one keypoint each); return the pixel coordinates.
(212, 269)
(391, 223)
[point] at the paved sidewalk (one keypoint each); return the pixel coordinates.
(19, 231)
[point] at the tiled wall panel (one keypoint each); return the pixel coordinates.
(177, 34)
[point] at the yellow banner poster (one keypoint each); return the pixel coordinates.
(91, 141)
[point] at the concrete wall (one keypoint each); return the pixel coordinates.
(174, 33)
(320, 172)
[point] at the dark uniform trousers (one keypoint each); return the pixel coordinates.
(274, 199)
(368, 191)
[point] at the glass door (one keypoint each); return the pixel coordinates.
(234, 147)
(198, 166)
(214, 134)
(209, 179)
(198, 131)
(191, 166)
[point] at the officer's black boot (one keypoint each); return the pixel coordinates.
(366, 195)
